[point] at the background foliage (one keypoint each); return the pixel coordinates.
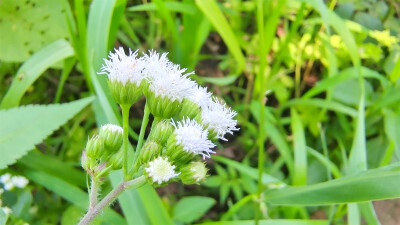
(316, 86)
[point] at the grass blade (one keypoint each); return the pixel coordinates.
(217, 19)
(33, 68)
(299, 148)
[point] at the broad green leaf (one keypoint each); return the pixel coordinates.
(33, 68)
(70, 193)
(23, 127)
(153, 206)
(371, 185)
(3, 217)
(299, 148)
(344, 75)
(394, 76)
(189, 209)
(64, 170)
(219, 80)
(331, 105)
(27, 26)
(217, 19)
(269, 222)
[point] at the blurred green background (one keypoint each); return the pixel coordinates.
(315, 84)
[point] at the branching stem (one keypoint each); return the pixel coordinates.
(93, 212)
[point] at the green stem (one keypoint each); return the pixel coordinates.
(262, 56)
(145, 121)
(125, 123)
(93, 212)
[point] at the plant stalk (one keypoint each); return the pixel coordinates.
(93, 212)
(94, 188)
(125, 123)
(145, 121)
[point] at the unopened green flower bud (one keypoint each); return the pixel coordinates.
(189, 109)
(150, 151)
(95, 147)
(116, 160)
(175, 151)
(112, 136)
(161, 131)
(193, 173)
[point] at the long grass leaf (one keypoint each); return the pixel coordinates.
(33, 68)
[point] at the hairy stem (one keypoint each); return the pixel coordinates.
(94, 188)
(93, 212)
(125, 123)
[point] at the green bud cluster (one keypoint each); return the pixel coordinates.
(103, 151)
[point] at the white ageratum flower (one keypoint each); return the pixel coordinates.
(19, 181)
(165, 78)
(124, 68)
(112, 128)
(5, 178)
(193, 137)
(13, 181)
(218, 118)
(200, 96)
(161, 170)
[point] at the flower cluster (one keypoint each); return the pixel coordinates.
(188, 119)
(9, 181)
(102, 152)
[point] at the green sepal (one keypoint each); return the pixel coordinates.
(150, 151)
(116, 160)
(162, 107)
(95, 147)
(125, 94)
(193, 173)
(176, 153)
(189, 109)
(112, 140)
(161, 131)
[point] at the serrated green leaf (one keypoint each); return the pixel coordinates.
(23, 127)
(29, 26)
(185, 212)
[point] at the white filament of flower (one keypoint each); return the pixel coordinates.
(193, 137)
(161, 170)
(219, 117)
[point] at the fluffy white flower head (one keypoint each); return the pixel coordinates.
(193, 137)
(161, 170)
(200, 96)
(19, 181)
(219, 117)
(112, 128)
(199, 171)
(124, 68)
(166, 79)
